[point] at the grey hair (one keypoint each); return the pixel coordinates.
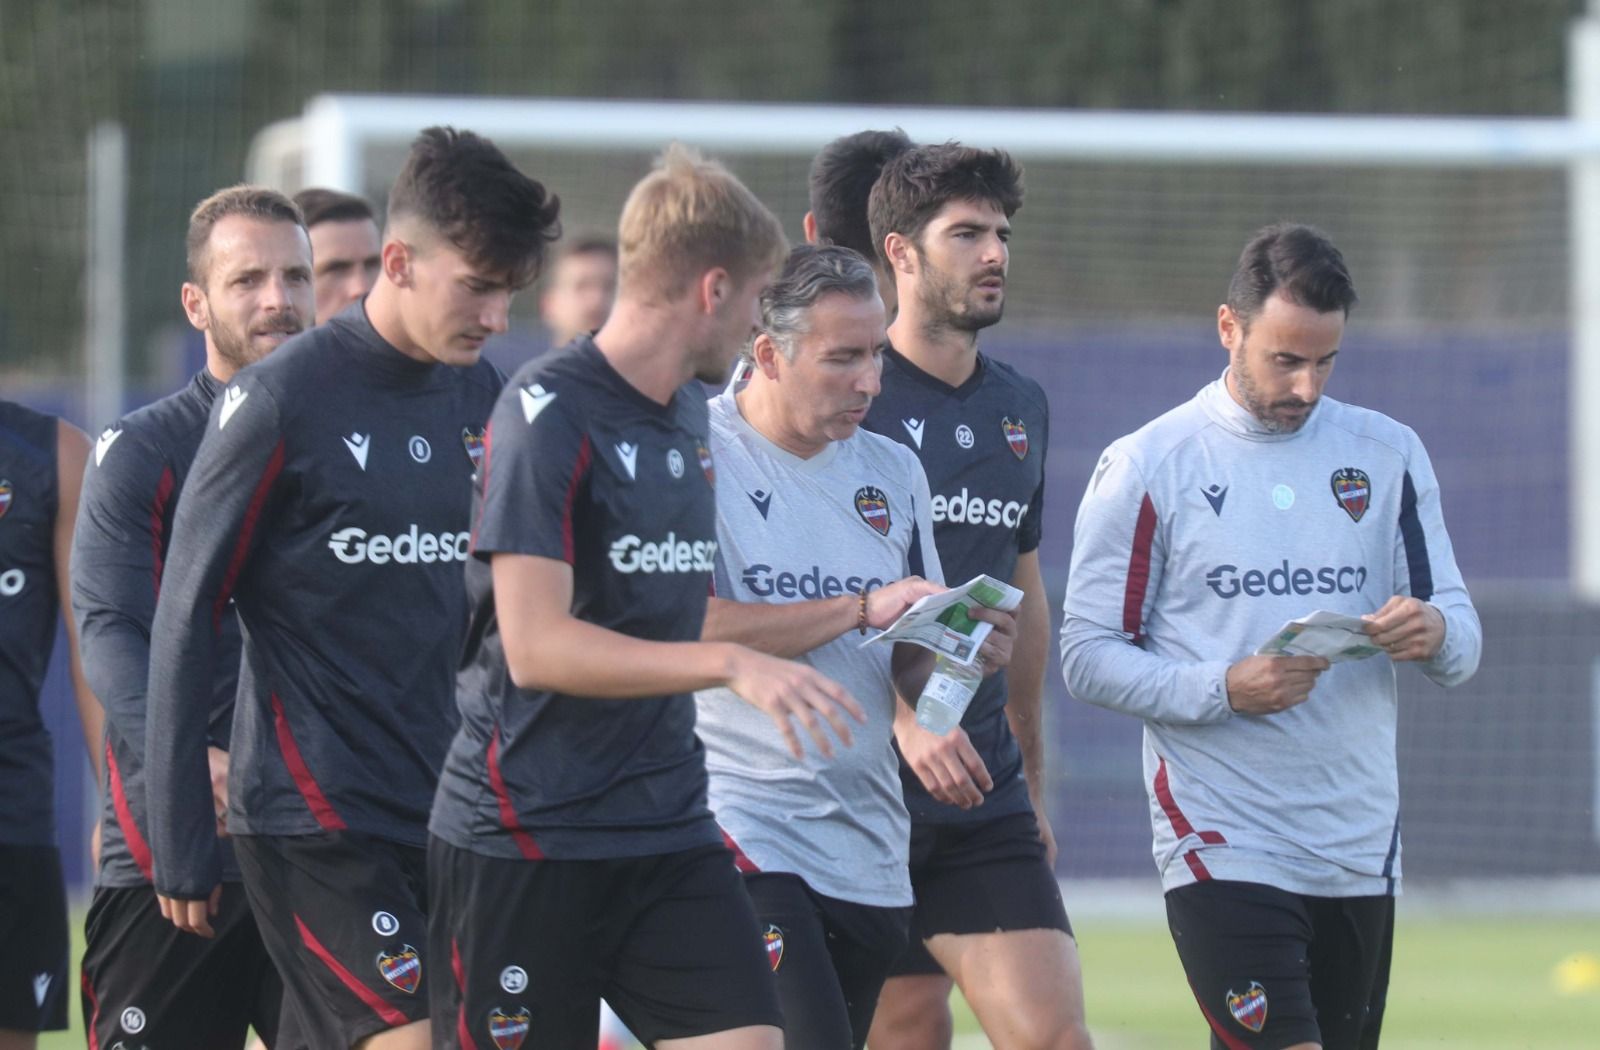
(809, 273)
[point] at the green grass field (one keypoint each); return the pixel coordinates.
(1461, 983)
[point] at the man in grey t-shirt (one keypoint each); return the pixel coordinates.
(823, 531)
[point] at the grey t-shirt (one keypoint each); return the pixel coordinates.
(853, 517)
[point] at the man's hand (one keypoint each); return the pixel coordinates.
(1264, 685)
(948, 766)
(995, 652)
(790, 692)
(1407, 628)
(192, 916)
(218, 760)
(888, 603)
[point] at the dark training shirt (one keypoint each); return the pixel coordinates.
(330, 497)
(982, 445)
(119, 552)
(28, 608)
(584, 468)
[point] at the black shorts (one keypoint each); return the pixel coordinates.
(830, 957)
(34, 943)
(146, 981)
(670, 941)
(344, 917)
(978, 877)
(1271, 968)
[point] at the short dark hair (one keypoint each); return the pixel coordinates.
(923, 179)
(841, 180)
(252, 202)
(462, 186)
(1294, 260)
(810, 272)
(319, 206)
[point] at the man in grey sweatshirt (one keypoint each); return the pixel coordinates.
(1274, 798)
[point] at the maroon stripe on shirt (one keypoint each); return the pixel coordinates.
(137, 846)
(392, 1017)
(309, 789)
(581, 467)
(247, 528)
(508, 812)
(1144, 534)
(741, 862)
(1180, 823)
(158, 524)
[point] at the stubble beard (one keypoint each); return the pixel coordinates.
(950, 304)
(1263, 410)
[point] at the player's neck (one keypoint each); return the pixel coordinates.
(649, 346)
(383, 313)
(219, 368)
(948, 354)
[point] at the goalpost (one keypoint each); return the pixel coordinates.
(341, 140)
(1475, 244)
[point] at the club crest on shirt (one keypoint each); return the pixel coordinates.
(873, 506)
(508, 1028)
(1016, 436)
(472, 440)
(1250, 1008)
(7, 494)
(706, 464)
(772, 937)
(403, 968)
(1353, 490)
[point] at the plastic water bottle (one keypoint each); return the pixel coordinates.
(946, 696)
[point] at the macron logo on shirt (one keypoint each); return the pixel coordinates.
(232, 398)
(628, 453)
(535, 399)
(103, 443)
(359, 445)
(914, 428)
(762, 500)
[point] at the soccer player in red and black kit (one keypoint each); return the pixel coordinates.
(249, 290)
(573, 854)
(330, 499)
(988, 908)
(41, 468)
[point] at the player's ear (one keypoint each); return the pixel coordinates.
(1230, 330)
(901, 252)
(396, 260)
(764, 353)
(713, 289)
(809, 225)
(195, 306)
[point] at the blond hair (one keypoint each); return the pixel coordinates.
(687, 216)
